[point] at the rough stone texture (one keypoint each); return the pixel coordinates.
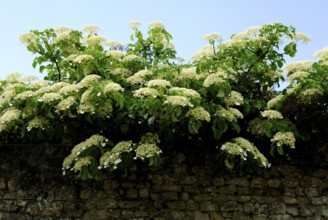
(176, 191)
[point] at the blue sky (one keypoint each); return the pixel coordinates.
(186, 20)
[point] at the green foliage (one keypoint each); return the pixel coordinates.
(138, 101)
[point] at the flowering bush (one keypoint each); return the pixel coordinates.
(138, 101)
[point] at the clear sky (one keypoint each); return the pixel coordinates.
(186, 20)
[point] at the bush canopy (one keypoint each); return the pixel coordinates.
(118, 103)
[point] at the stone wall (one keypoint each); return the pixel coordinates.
(37, 190)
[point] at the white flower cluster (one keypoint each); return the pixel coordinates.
(236, 112)
(57, 86)
(89, 80)
(115, 54)
(272, 103)
(298, 75)
(8, 116)
(303, 65)
(65, 104)
(190, 93)
(64, 36)
(95, 140)
(307, 95)
(213, 37)
(187, 73)
(303, 38)
(147, 150)
(177, 100)
(244, 149)
(28, 38)
(222, 112)
(83, 58)
(131, 58)
(156, 24)
(199, 113)
(81, 162)
(70, 88)
(139, 77)
(322, 54)
(91, 28)
(158, 83)
(113, 157)
(203, 53)
(51, 98)
(113, 87)
(95, 40)
(25, 95)
(271, 114)
(146, 92)
(37, 84)
(38, 122)
(235, 98)
(284, 139)
(134, 24)
(215, 79)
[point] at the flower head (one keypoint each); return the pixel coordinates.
(66, 103)
(158, 83)
(82, 162)
(116, 54)
(91, 28)
(190, 93)
(95, 40)
(83, 58)
(214, 79)
(213, 37)
(89, 80)
(199, 113)
(271, 114)
(113, 44)
(51, 97)
(113, 87)
(134, 24)
(274, 101)
(147, 150)
(146, 92)
(38, 122)
(8, 116)
(284, 138)
(177, 100)
(235, 98)
(156, 24)
(28, 38)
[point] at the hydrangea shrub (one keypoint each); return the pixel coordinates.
(138, 101)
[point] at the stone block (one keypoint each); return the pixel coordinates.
(319, 200)
(290, 200)
(291, 182)
(312, 192)
(208, 206)
(201, 216)
(292, 211)
(110, 184)
(2, 184)
(144, 193)
(132, 193)
(171, 187)
(278, 208)
(176, 205)
(274, 183)
(192, 206)
(202, 197)
(258, 183)
(168, 196)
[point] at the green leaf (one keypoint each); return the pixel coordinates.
(221, 93)
(151, 120)
(192, 127)
(290, 49)
(124, 128)
(228, 164)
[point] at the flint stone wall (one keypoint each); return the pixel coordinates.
(34, 189)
